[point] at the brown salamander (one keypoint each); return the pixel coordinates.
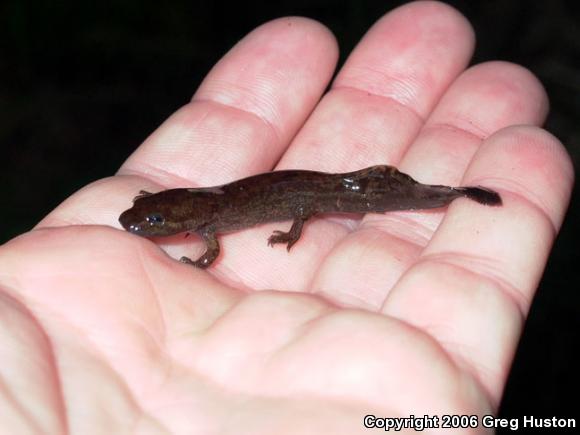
(284, 195)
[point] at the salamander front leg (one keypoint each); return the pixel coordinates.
(142, 194)
(211, 253)
(291, 236)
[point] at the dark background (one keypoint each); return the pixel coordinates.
(82, 86)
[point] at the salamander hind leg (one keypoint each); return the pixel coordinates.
(291, 237)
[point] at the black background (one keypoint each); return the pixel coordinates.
(82, 86)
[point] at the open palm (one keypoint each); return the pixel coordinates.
(406, 313)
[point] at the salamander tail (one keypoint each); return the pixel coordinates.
(482, 195)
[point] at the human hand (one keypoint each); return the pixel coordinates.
(392, 315)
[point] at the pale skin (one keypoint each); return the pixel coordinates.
(392, 315)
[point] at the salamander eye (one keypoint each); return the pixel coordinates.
(155, 219)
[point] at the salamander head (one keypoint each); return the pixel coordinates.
(161, 214)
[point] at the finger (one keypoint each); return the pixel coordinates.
(386, 89)
(482, 100)
(246, 110)
(472, 286)
(239, 121)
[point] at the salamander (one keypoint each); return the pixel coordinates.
(295, 195)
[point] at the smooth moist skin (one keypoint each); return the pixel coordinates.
(284, 195)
